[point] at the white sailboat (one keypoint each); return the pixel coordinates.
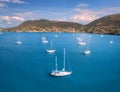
(51, 50)
(62, 72)
(44, 40)
(56, 35)
(87, 51)
(111, 42)
(81, 43)
(19, 42)
(79, 39)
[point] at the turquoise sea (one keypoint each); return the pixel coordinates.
(27, 67)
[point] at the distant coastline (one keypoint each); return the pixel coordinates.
(106, 25)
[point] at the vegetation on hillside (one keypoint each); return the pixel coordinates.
(47, 26)
(106, 25)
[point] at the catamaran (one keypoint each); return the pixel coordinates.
(62, 72)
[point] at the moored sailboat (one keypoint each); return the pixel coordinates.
(44, 40)
(87, 51)
(62, 72)
(19, 42)
(51, 50)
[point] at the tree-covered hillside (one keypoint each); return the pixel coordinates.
(43, 25)
(106, 25)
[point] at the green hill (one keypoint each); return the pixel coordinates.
(106, 25)
(44, 25)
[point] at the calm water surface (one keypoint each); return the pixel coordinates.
(27, 67)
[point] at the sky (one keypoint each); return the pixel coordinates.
(14, 12)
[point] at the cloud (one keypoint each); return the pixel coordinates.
(10, 20)
(4, 18)
(13, 1)
(18, 1)
(2, 5)
(17, 18)
(29, 15)
(86, 16)
(79, 15)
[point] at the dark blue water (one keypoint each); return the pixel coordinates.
(27, 67)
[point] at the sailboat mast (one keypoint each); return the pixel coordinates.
(51, 44)
(88, 45)
(56, 62)
(64, 60)
(18, 38)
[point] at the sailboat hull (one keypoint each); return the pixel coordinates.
(44, 41)
(60, 73)
(19, 42)
(50, 51)
(87, 52)
(81, 43)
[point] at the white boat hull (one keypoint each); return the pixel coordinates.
(19, 42)
(87, 52)
(50, 51)
(111, 42)
(44, 41)
(81, 43)
(60, 73)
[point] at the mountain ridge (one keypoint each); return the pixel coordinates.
(44, 25)
(109, 24)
